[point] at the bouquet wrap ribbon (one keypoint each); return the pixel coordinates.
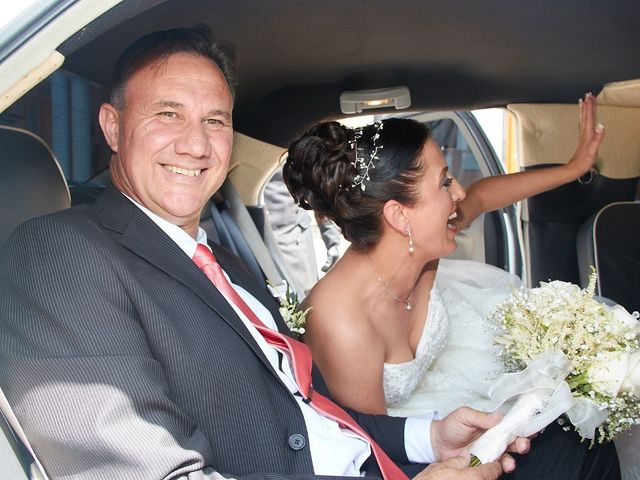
(544, 395)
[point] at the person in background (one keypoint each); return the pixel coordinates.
(331, 237)
(293, 231)
(291, 226)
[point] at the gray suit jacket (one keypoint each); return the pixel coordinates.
(291, 226)
(122, 361)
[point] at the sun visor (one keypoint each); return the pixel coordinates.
(548, 133)
(252, 164)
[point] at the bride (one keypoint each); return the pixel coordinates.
(392, 328)
(381, 316)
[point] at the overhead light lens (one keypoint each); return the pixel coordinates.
(378, 103)
(358, 100)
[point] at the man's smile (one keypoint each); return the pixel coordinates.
(183, 171)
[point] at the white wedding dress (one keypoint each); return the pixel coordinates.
(456, 362)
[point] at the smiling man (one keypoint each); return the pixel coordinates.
(130, 352)
(171, 133)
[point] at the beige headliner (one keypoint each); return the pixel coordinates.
(252, 164)
(548, 132)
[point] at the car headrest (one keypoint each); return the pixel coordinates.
(608, 241)
(252, 164)
(32, 182)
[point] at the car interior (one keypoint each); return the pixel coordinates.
(295, 61)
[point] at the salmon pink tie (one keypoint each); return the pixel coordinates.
(300, 357)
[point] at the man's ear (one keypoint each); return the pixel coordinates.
(394, 214)
(109, 119)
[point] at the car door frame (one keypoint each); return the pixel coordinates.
(506, 219)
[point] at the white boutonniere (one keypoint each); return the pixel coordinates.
(293, 316)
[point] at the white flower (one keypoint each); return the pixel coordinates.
(293, 316)
(615, 372)
(621, 319)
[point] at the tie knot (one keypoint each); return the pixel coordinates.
(203, 256)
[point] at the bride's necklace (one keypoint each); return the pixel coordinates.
(406, 301)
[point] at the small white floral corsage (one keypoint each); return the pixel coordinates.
(293, 317)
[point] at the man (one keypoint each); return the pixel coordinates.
(291, 226)
(121, 358)
(331, 238)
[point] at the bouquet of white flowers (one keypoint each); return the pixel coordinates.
(574, 356)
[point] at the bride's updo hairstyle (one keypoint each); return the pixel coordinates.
(320, 173)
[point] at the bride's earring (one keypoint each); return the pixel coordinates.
(411, 249)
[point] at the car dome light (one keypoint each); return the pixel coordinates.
(358, 100)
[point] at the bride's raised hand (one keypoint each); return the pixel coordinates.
(589, 139)
(498, 191)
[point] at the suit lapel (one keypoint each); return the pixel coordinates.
(139, 234)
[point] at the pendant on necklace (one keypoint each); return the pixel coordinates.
(407, 303)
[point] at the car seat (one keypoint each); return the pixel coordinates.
(608, 241)
(32, 184)
(552, 220)
(548, 134)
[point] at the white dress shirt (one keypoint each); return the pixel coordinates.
(334, 451)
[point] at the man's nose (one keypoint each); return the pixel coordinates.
(193, 141)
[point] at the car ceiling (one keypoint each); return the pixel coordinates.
(296, 56)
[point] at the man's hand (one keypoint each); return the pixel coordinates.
(457, 468)
(332, 257)
(451, 436)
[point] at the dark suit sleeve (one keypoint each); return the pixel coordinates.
(387, 431)
(76, 367)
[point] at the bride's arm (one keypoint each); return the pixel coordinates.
(349, 354)
(499, 191)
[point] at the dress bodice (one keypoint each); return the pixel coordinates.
(401, 379)
(456, 359)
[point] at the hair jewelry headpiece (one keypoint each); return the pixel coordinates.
(361, 163)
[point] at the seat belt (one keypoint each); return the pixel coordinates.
(238, 210)
(36, 470)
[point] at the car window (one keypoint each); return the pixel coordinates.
(63, 111)
(460, 159)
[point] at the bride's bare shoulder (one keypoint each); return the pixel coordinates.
(331, 292)
(335, 301)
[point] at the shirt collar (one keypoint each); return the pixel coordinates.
(177, 234)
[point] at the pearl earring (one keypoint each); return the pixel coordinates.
(411, 249)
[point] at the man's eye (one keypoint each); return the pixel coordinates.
(168, 114)
(214, 121)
